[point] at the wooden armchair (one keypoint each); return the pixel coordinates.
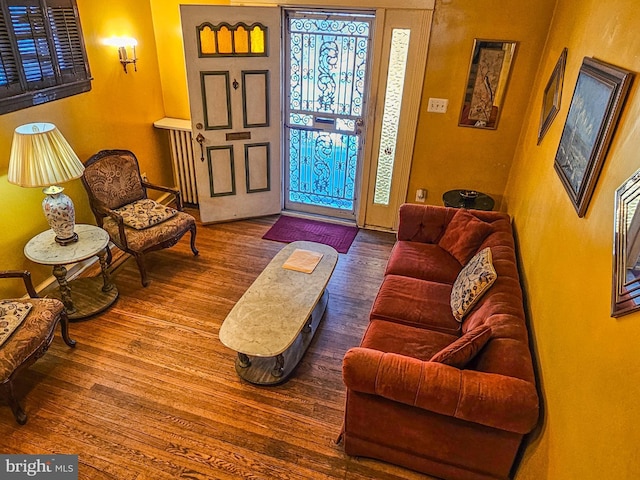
(34, 320)
(135, 223)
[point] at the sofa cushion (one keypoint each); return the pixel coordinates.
(464, 349)
(390, 337)
(472, 282)
(464, 235)
(415, 302)
(422, 260)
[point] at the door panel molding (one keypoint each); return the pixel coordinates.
(217, 112)
(222, 176)
(257, 161)
(255, 92)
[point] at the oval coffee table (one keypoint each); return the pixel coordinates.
(273, 323)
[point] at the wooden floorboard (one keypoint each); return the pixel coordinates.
(151, 393)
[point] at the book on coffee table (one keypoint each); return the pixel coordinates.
(304, 261)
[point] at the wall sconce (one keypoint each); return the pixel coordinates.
(124, 43)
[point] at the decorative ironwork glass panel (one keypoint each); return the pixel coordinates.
(239, 40)
(322, 168)
(328, 65)
(327, 56)
(391, 114)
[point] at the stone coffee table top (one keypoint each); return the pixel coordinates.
(274, 310)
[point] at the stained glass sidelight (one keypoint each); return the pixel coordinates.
(391, 114)
(327, 58)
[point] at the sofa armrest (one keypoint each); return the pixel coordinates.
(423, 223)
(497, 401)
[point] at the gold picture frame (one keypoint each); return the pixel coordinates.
(489, 69)
(552, 96)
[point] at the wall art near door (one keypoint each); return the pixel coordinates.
(552, 96)
(625, 296)
(594, 111)
(491, 62)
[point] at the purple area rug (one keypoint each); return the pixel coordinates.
(290, 229)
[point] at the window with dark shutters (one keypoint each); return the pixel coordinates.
(42, 54)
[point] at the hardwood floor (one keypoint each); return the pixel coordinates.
(151, 393)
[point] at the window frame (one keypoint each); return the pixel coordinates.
(52, 43)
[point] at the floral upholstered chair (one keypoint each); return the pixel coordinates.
(135, 223)
(26, 331)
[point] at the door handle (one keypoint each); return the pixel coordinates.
(200, 140)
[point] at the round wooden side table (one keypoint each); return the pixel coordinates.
(82, 297)
(453, 198)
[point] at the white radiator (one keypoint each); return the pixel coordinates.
(184, 172)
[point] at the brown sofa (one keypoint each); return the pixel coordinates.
(425, 391)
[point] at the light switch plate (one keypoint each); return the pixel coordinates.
(438, 105)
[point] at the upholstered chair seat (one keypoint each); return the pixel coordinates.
(142, 239)
(119, 201)
(30, 339)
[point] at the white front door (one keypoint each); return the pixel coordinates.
(233, 74)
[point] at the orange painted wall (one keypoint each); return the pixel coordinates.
(173, 73)
(588, 361)
(447, 156)
(117, 113)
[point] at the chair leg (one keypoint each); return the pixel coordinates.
(193, 240)
(64, 326)
(18, 412)
(143, 269)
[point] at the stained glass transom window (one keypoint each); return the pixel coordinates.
(224, 40)
(391, 114)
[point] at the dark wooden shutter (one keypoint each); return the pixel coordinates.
(9, 78)
(31, 34)
(42, 55)
(67, 40)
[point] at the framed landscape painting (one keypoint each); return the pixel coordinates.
(597, 101)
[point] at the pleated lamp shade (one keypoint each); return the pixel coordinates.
(40, 157)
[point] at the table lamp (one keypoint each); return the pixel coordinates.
(41, 157)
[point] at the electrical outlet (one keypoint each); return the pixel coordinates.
(421, 195)
(438, 105)
(144, 177)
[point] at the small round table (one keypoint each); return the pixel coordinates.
(90, 295)
(452, 198)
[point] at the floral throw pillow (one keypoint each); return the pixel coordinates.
(12, 314)
(473, 281)
(145, 213)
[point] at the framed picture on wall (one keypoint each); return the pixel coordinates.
(552, 96)
(595, 107)
(491, 62)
